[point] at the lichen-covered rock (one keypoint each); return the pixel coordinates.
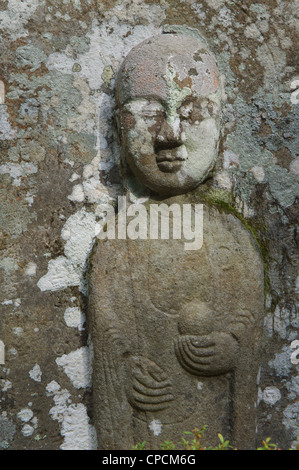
(60, 164)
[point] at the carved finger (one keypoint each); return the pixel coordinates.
(148, 407)
(148, 381)
(111, 376)
(146, 400)
(201, 341)
(188, 351)
(199, 351)
(194, 367)
(149, 391)
(149, 368)
(157, 373)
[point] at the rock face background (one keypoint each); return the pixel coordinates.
(59, 163)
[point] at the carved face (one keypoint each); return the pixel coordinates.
(170, 117)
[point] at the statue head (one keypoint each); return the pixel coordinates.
(168, 97)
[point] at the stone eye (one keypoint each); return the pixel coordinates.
(152, 113)
(185, 111)
(191, 112)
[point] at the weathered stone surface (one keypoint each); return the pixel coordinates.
(60, 163)
(176, 335)
(169, 98)
(165, 318)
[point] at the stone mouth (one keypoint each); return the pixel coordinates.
(170, 166)
(168, 147)
(169, 160)
(170, 154)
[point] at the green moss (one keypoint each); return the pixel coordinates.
(223, 201)
(107, 75)
(175, 95)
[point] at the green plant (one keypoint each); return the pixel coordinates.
(139, 446)
(168, 445)
(267, 445)
(223, 445)
(195, 438)
(195, 443)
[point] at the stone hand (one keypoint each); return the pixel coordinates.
(208, 355)
(150, 388)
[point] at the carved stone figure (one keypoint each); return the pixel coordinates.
(175, 332)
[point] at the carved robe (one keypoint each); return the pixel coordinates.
(176, 335)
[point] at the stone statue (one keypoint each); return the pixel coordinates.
(175, 332)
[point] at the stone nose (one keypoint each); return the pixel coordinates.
(169, 135)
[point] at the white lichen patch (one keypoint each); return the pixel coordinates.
(273, 59)
(2, 92)
(86, 118)
(17, 171)
(252, 32)
(104, 49)
(35, 373)
(68, 270)
(78, 433)
(258, 173)
(223, 180)
(30, 269)
(74, 177)
(25, 415)
(30, 56)
(77, 194)
(8, 265)
(156, 427)
(27, 430)
(216, 4)
(175, 97)
(15, 17)
(282, 363)
(294, 166)
(291, 421)
(61, 274)
(7, 302)
(5, 384)
(295, 353)
(77, 366)
(230, 159)
(293, 387)
(81, 227)
(18, 331)
(271, 395)
(61, 399)
(6, 131)
(74, 318)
